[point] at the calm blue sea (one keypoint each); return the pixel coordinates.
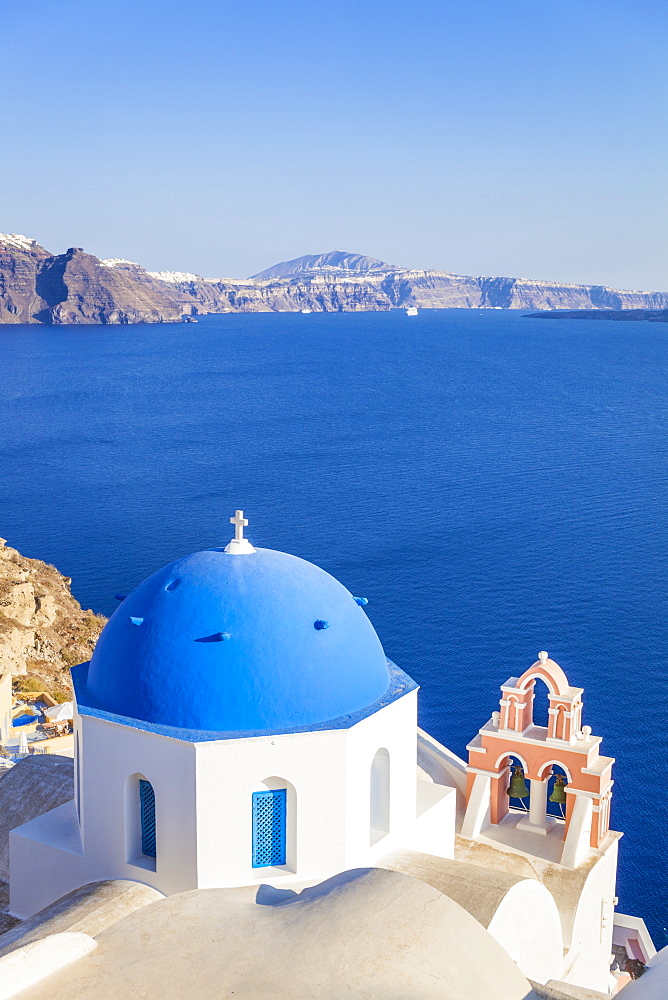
(495, 485)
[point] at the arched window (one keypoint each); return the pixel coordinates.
(147, 817)
(380, 796)
(269, 827)
(140, 822)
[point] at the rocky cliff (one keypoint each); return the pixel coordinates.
(75, 287)
(43, 629)
(21, 261)
(340, 281)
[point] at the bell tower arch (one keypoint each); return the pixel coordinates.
(564, 742)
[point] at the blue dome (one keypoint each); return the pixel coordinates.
(226, 642)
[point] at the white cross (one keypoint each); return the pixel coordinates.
(239, 522)
(239, 546)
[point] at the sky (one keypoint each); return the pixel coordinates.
(488, 137)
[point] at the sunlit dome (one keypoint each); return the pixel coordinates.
(238, 639)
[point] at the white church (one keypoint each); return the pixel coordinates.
(239, 732)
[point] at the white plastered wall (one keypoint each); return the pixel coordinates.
(203, 805)
(393, 728)
(311, 766)
(527, 925)
(577, 843)
(57, 852)
(422, 814)
(45, 861)
(327, 776)
(113, 757)
(587, 961)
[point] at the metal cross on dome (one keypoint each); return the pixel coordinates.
(239, 545)
(240, 522)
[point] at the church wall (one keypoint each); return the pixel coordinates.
(527, 925)
(393, 728)
(434, 831)
(203, 804)
(311, 766)
(110, 755)
(328, 777)
(45, 861)
(61, 851)
(587, 961)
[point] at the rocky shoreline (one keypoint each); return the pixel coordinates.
(652, 315)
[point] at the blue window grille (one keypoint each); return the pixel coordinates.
(147, 808)
(269, 809)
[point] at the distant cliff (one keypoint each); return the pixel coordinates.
(336, 263)
(75, 287)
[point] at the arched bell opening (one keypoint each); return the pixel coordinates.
(556, 791)
(541, 703)
(519, 790)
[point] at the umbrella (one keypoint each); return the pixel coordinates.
(23, 743)
(60, 713)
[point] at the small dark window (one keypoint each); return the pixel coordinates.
(147, 804)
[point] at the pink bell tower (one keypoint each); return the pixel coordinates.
(564, 742)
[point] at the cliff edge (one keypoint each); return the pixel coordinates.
(43, 628)
(76, 287)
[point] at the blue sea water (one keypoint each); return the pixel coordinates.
(495, 485)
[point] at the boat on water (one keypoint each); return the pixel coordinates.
(189, 319)
(412, 311)
(306, 311)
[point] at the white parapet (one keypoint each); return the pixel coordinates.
(576, 846)
(477, 810)
(32, 963)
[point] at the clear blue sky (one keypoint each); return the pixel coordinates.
(492, 137)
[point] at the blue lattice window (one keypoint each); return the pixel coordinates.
(147, 812)
(269, 809)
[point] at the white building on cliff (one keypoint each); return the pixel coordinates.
(239, 725)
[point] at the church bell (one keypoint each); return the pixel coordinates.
(559, 791)
(518, 786)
